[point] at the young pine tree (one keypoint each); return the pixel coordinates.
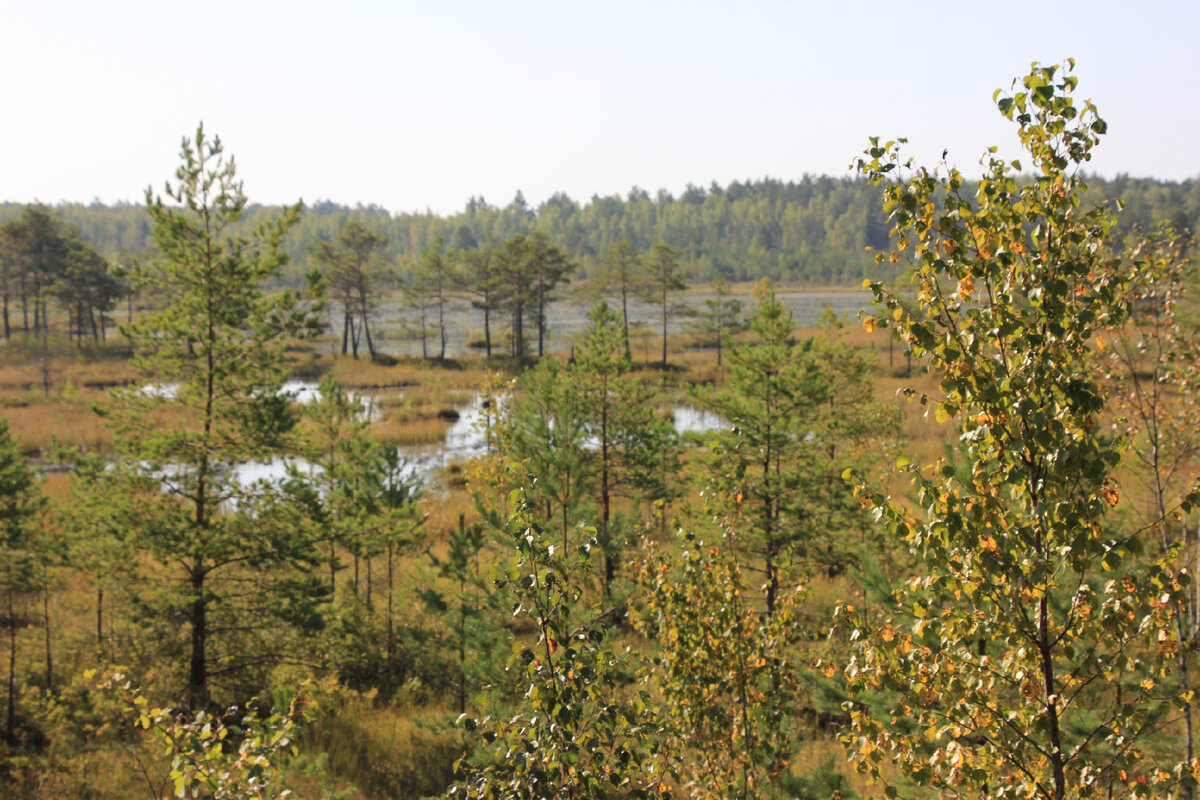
(230, 566)
(664, 279)
(721, 316)
(618, 413)
(20, 501)
(767, 459)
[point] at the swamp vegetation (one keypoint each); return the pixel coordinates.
(944, 553)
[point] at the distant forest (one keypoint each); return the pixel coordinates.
(814, 231)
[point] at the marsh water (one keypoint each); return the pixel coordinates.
(397, 329)
(465, 439)
(566, 323)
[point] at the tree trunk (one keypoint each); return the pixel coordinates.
(45, 359)
(198, 665)
(771, 512)
(12, 667)
(198, 696)
(1189, 783)
(24, 306)
(462, 646)
(487, 334)
(611, 558)
(664, 325)
(462, 623)
(541, 324)
(100, 621)
(367, 564)
(442, 325)
(1051, 689)
(332, 571)
(390, 588)
(366, 328)
(519, 331)
(46, 628)
(424, 351)
(625, 317)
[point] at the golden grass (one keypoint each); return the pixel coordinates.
(21, 363)
(364, 374)
(66, 374)
(384, 751)
(409, 432)
(39, 423)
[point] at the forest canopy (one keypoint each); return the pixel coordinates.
(812, 231)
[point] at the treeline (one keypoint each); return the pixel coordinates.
(811, 231)
(510, 283)
(43, 259)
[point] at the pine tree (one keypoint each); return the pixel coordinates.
(618, 413)
(433, 278)
(721, 316)
(20, 502)
(544, 439)
(528, 269)
(766, 460)
(232, 563)
(350, 265)
(621, 274)
(664, 279)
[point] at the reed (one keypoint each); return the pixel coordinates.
(40, 423)
(409, 432)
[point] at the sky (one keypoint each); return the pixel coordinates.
(420, 106)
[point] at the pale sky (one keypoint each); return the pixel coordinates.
(418, 106)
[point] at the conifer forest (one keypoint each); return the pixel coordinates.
(880, 486)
